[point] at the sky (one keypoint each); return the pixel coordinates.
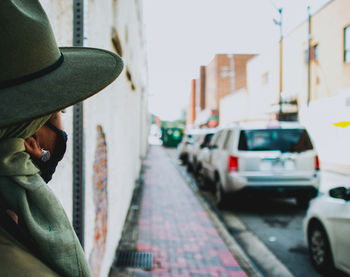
(182, 35)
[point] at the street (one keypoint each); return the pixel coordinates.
(268, 227)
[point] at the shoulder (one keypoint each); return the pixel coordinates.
(15, 260)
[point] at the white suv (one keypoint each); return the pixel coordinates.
(273, 157)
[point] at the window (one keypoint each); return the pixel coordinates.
(206, 140)
(216, 138)
(313, 53)
(284, 140)
(265, 78)
(227, 140)
(347, 44)
(221, 139)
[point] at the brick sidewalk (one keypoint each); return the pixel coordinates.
(176, 228)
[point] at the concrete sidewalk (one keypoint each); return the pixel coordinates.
(176, 228)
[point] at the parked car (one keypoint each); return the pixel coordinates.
(201, 140)
(185, 145)
(327, 231)
(277, 158)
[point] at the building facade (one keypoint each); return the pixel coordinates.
(223, 76)
(330, 65)
(193, 105)
(321, 88)
(115, 124)
(324, 97)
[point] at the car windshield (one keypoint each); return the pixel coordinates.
(284, 140)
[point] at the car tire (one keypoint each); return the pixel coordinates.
(202, 182)
(221, 197)
(303, 202)
(189, 167)
(319, 249)
(194, 166)
(183, 158)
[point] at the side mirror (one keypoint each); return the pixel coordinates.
(214, 146)
(340, 192)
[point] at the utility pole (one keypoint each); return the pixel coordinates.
(309, 58)
(281, 61)
(280, 24)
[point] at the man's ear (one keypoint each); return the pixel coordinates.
(32, 147)
(56, 120)
(46, 138)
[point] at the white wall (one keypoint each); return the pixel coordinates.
(294, 63)
(234, 107)
(263, 82)
(332, 143)
(121, 111)
(60, 14)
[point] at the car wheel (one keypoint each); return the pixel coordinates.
(183, 158)
(220, 195)
(196, 169)
(202, 182)
(319, 248)
(303, 202)
(194, 166)
(189, 167)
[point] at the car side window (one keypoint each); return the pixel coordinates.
(215, 139)
(206, 140)
(228, 139)
(221, 139)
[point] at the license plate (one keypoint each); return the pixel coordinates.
(273, 164)
(266, 165)
(289, 165)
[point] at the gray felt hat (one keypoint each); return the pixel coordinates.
(37, 77)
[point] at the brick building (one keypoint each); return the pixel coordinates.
(223, 76)
(193, 102)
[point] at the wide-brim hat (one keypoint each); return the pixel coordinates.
(37, 77)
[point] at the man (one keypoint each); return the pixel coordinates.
(37, 80)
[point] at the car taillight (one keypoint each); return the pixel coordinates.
(317, 163)
(232, 164)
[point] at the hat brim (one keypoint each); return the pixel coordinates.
(84, 72)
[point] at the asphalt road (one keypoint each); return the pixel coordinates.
(277, 223)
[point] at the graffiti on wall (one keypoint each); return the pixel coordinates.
(100, 198)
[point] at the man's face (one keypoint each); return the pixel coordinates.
(45, 138)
